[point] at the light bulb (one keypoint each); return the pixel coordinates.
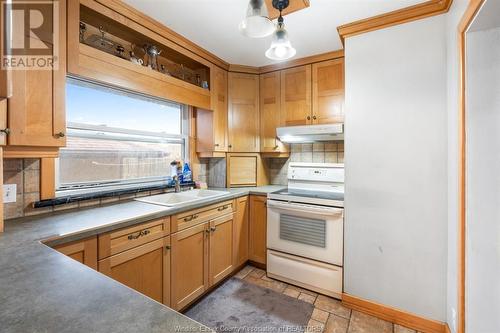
(256, 23)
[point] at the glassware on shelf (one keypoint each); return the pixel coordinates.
(101, 42)
(153, 52)
(83, 29)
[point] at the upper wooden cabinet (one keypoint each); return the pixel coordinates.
(271, 115)
(243, 113)
(219, 107)
(36, 99)
(125, 27)
(328, 91)
(211, 125)
(296, 95)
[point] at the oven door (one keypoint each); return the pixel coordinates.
(315, 232)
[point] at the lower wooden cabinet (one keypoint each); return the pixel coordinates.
(83, 251)
(201, 257)
(258, 229)
(189, 264)
(221, 248)
(145, 268)
(241, 231)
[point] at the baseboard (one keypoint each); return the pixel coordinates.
(393, 315)
(257, 264)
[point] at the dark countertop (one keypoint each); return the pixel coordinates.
(42, 290)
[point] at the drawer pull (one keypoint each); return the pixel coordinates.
(207, 231)
(220, 209)
(6, 131)
(168, 247)
(190, 218)
(139, 234)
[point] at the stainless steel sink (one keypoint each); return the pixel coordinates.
(176, 199)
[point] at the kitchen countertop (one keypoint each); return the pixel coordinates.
(42, 290)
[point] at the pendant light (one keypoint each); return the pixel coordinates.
(256, 23)
(281, 48)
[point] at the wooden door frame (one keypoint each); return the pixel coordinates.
(469, 15)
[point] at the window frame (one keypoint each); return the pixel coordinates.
(82, 130)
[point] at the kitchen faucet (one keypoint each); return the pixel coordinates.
(177, 183)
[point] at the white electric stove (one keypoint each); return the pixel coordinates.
(305, 228)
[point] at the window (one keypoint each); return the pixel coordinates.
(117, 139)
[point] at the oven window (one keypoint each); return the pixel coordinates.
(303, 230)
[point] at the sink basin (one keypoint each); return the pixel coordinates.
(176, 199)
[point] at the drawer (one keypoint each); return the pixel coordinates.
(310, 274)
(117, 241)
(188, 219)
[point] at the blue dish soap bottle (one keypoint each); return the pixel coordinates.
(187, 175)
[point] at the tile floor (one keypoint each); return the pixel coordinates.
(329, 315)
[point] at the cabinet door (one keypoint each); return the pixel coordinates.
(243, 113)
(189, 265)
(241, 231)
(258, 229)
(219, 107)
(328, 91)
(145, 268)
(296, 95)
(36, 107)
(270, 112)
(83, 251)
(221, 248)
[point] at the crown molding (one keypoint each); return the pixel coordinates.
(295, 5)
(404, 15)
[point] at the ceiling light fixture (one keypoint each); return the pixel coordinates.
(257, 23)
(281, 48)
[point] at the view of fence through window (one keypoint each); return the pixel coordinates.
(117, 138)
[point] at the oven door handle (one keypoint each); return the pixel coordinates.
(287, 206)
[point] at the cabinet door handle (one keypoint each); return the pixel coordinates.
(60, 135)
(275, 147)
(168, 247)
(207, 231)
(216, 145)
(139, 234)
(314, 117)
(220, 209)
(6, 131)
(308, 117)
(212, 229)
(230, 146)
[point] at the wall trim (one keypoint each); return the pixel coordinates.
(469, 15)
(287, 64)
(404, 15)
(393, 315)
(30, 152)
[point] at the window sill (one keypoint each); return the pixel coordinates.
(66, 199)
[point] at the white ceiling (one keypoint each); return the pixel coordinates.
(488, 17)
(213, 24)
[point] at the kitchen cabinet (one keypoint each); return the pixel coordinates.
(145, 268)
(271, 115)
(190, 249)
(83, 251)
(221, 248)
(241, 231)
(258, 229)
(219, 107)
(245, 169)
(243, 117)
(328, 92)
(211, 125)
(36, 99)
(296, 95)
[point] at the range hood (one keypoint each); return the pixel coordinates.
(310, 133)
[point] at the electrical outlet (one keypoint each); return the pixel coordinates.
(9, 193)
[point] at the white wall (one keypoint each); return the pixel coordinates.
(396, 167)
(452, 20)
(483, 182)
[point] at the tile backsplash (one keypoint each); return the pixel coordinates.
(328, 152)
